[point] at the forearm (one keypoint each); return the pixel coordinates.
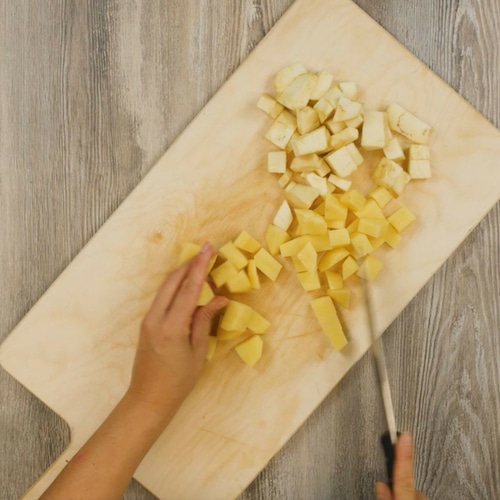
(104, 466)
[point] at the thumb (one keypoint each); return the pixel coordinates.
(403, 483)
(202, 322)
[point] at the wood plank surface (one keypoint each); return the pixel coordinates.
(83, 119)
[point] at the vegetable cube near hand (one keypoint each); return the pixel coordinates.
(275, 237)
(327, 317)
(309, 222)
(349, 267)
(376, 134)
(313, 142)
(258, 324)
(390, 175)
(240, 283)
(369, 268)
(233, 255)
(339, 238)
(370, 210)
(325, 80)
(300, 196)
(335, 127)
(306, 163)
(324, 109)
(381, 195)
(419, 166)
(206, 295)
(338, 182)
(375, 227)
(276, 162)
(227, 335)
(401, 219)
(334, 280)
(356, 156)
(309, 258)
(341, 296)
(334, 209)
(361, 244)
(293, 247)
(331, 258)
(236, 316)
(393, 151)
(188, 251)
(347, 110)
(285, 179)
(253, 275)
(341, 162)
(267, 264)
(320, 242)
(353, 200)
(316, 182)
(247, 242)
(284, 216)
(355, 122)
(392, 237)
(212, 345)
(250, 350)
(287, 75)
(279, 134)
(223, 273)
(350, 90)
(307, 120)
(405, 123)
(298, 93)
(267, 104)
(343, 138)
(309, 280)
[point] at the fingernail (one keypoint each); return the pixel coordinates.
(405, 440)
(205, 247)
(222, 301)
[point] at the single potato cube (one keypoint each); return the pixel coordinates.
(284, 180)
(334, 209)
(356, 156)
(320, 242)
(250, 350)
(309, 280)
(371, 210)
(223, 273)
(350, 90)
(325, 80)
(240, 283)
(333, 96)
(339, 238)
(323, 170)
(353, 200)
(392, 237)
(393, 151)
(335, 224)
(276, 162)
(287, 75)
(309, 222)
(355, 122)
(267, 104)
(247, 242)
(419, 166)
(283, 217)
(342, 184)
(341, 162)
(370, 268)
(381, 195)
(330, 324)
(307, 120)
(258, 324)
(401, 219)
(236, 317)
(344, 137)
(253, 275)
(324, 109)
(188, 251)
(309, 258)
(279, 134)
(233, 255)
(349, 267)
(335, 127)
(408, 125)
(320, 209)
(267, 264)
(293, 247)
(298, 93)
(335, 280)
(361, 244)
(342, 296)
(275, 237)
(306, 163)
(390, 175)
(226, 335)
(313, 142)
(317, 182)
(353, 227)
(375, 131)
(300, 196)
(373, 227)
(331, 258)
(206, 295)
(299, 267)
(377, 242)
(288, 119)
(347, 110)
(212, 345)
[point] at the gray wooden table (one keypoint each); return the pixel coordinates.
(93, 92)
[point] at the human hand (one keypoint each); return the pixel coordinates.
(174, 338)
(403, 487)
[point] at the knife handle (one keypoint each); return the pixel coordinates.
(389, 454)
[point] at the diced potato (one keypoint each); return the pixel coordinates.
(335, 280)
(236, 317)
(344, 137)
(233, 255)
(206, 295)
(212, 345)
(327, 316)
(276, 162)
(285, 179)
(393, 151)
(300, 196)
(320, 209)
(284, 216)
(371, 210)
(223, 273)
(275, 237)
(377, 242)
(350, 90)
(334, 95)
(324, 108)
(309, 258)
(341, 162)
(331, 258)
(370, 268)
(307, 120)
(320, 242)
(419, 152)
(299, 267)
(267, 104)
(258, 324)
(375, 227)
(309, 222)
(253, 275)
(298, 93)
(401, 219)
(287, 75)
(361, 244)
(342, 296)
(309, 280)
(381, 195)
(335, 127)
(240, 283)
(419, 166)
(352, 228)
(250, 350)
(355, 122)
(335, 224)
(293, 247)
(227, 335)
(356, 156)
(347, 110)
(343, 184)
(317, 182)
(267, 264)
(247, 242)
(279, 134)
(390, 175)
(313, 142)
(353, 199)
(306, 163)
(376, 133)
(408, 125)
(288, 119)
(325, 80)
(188, 251)
(334, 209)
(349, 267)
(289, 148)
(323, 170)
(392, 237)
(339, 237)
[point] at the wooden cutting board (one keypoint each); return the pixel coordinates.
(75, 347)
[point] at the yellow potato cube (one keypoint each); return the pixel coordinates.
(309, 280)
(206, 295)
(299, 267)
(341, 162)
(317, 182)
(419, 166)
(401, 219)
(361, 244)
(393, 151)
(279, 134)
(250, 350)
(300, 196)
(309, 222)
(313, 142)
(288, 119)
(226, 335)
(285, 179)
(246, 242)
(212, 345)
(328, 319)
(267, 104)
(323, 170)
(371, 210)
(370, 268)
(325, 80)
(236, 317)
(378, 242)
(332, 257)
(240, 283)
(335, 127)
(335, 280)
(349, 267)
(267, 264)
(258, 324)
(320, 209)
(293, 247)
(276, 162)
(341, 296)
(355, 122)
(320, 242)
(335, 224)
(306, 163)
(334, 209)
(342, 184)
(343, 138)
(339, 237)
(392, 237)
(188, 251)
(356, 156)
(349, 89)
(376, 133)
(309, 258)
(275, 237)
(233, 255)
(307, 120)
(353, 227)
(253, 275)
(324, 109)
(373, 227)
(353, 199)
(347, 110)
(287, 75)
(404, 123)
(390, 175)
(381, 195)
(298, 93)
(223, 273)
(333, 96)
(283, 217)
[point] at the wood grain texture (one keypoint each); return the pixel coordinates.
(71, 105)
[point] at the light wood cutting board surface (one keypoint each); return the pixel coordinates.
(75, 347)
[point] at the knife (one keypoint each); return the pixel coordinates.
(390, 437)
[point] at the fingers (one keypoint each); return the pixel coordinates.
(403, 482)
(421, 496)
(382, 491)
(202, 321)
